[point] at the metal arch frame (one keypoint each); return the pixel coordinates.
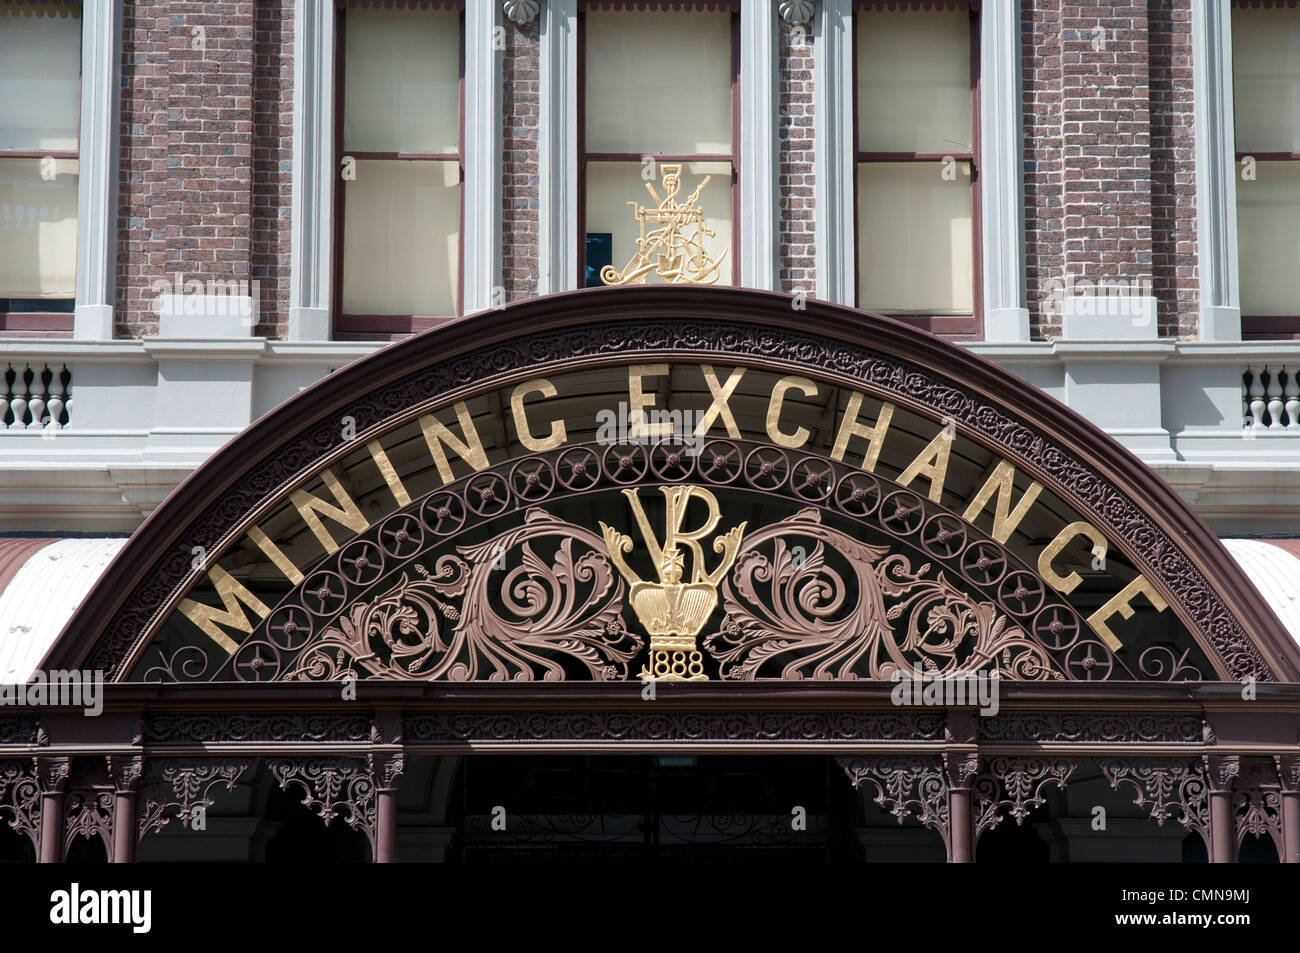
(1228, 617)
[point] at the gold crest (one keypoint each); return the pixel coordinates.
(667, 249)
(672, 611)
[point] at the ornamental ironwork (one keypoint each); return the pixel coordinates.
(545, 598)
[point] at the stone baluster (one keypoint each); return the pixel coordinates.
(1292, 394)
(1255, 398)
(18, 398)
(1274, 396)
(4, 395)
(56, 397)
(37, 403)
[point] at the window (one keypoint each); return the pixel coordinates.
(917, 166)
(40, 103)
(398, 199)
(657, 130)
(1266, 104)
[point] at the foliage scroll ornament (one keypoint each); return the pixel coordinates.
(835, 613)
(89, 814)
(906, 785)
(1257, 803)
(180, 788)
(539, 600)
(1173, 788)
(20, 797)
(445, 624)
(1014, 787)
(336, 787)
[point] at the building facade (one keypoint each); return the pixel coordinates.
(585, 428)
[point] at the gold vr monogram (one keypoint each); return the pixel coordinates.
(672, 607)
(673, 612)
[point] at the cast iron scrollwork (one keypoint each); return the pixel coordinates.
(406, 599)
(1013, 787)
(906, 785)
(1173, 788)
(833, 607)
(446, 623)
(334, 787)
(20, 798)
(181, 788)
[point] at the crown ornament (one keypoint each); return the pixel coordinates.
(672, 611)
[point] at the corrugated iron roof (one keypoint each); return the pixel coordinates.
(1273, 565)
(42, 595)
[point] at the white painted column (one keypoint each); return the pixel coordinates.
(833, 162)
(312, 230)
(557, 145)
(481, 240)
(759, 73)
(1216, 165)
(101, 57)
(1002, 195)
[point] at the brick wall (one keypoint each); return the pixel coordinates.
(795, 171)
(206, 143)
(206, 149)
(519, 167)
(1109, 180)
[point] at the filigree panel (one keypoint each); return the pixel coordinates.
(541, 727)
(89, 814)
(1171, 788)
(20, 798)
(1093, 727)
(1257, 803)
(334, 787)
(178, 788)
(1015, 786)
(175, 728)
(828, 606)
(915, 786)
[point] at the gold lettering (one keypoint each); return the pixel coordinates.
(638, 401)
(774, 431)
(388, 472)
(537, 444)
(851, 427)
(1067, 584)
(931, 463)
(470, 449)
(1002, 481)
(275, 554)
(210, 619)
(721, 394)
(347, 513)
(1119, 603)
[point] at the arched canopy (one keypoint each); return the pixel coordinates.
(668, 481)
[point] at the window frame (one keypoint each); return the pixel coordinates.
(51, 324)
(1255, 327)
(963, 327)
(584, 157)
(388, 327)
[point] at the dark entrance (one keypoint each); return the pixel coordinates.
(655, 807)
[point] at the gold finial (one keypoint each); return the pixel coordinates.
(666, 249)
